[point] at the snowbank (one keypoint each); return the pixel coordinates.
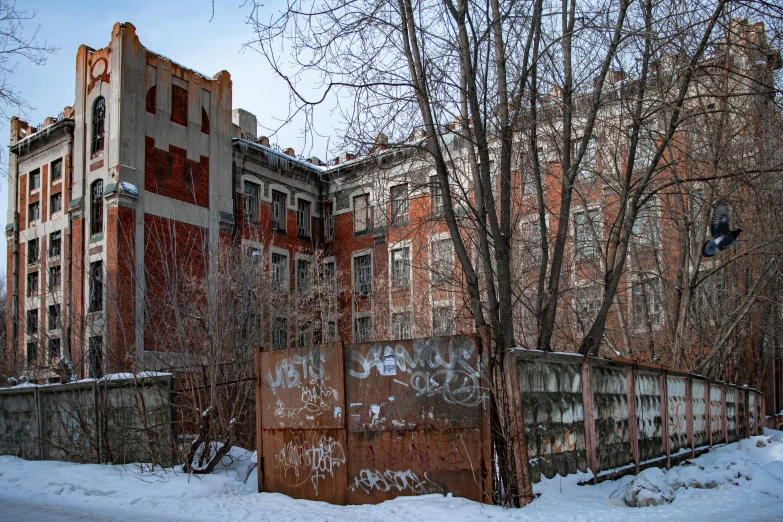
(120, 492)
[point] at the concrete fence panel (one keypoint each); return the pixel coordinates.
(622, 416)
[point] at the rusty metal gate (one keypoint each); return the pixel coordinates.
(365, 423)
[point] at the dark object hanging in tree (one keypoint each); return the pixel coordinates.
(723, 238)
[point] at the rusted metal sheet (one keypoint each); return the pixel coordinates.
(676, 409)
(303, 388)
(308, 464)
(302, 435)
(731, 414)
(417, 419)
(648, 416)
(610, 396)
(700, 436)
(388, 464)
(553, 414)
(434, 383)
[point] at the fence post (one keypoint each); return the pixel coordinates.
(689, 412)
(39, 423)
(519, 442)
(708, 412)
(633, 428)
(259, 424)
(589, 416)
(724, 414)
(665, 417)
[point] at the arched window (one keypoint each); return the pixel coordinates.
(98, 117)
(96, 207)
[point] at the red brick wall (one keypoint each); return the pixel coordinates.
(179, 105)
(120, 285)
(175, 259)
(150, 102)
(171, 174)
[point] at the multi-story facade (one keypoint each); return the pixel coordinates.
(151, 167)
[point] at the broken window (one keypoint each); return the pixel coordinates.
(33, 213)
(96, 286)
(55, 203)
(278, 211)
(586, 225)
(279, 333)
(303, 276)
(251, 202)
(280, 271)
(402, 325)
(303, 218)
(442, 320)
(329, 221)
(400, 267)
(96, 207)
(55, 244)
(32, 284)
(32, 251)
(362, 328)
(55, 276)
(400, 205)
(362, 274)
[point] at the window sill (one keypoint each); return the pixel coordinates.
(33, 192)
(57, 181)
(96, 155)
(54, 260)
(33, 223)
(56, 215)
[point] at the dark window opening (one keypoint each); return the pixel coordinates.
(96, 286)
(96, 207)
(98, 119)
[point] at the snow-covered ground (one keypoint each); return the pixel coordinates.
(741, 481)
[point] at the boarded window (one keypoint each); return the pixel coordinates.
(361, 214)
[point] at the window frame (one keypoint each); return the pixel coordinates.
(399, 197)
(33, 284)
(33, 251)
(96, 285)
(55, 252)
(96, 207)
(279, 206)
(303, 218)
(52, 169)
(400, 268)
(250, 201)
(34, 174)
(58, 270)
(98, 126)
(362, 275)
(586, 246)
(279, 272)
(58, 197)
(53, 319)
(34, 208)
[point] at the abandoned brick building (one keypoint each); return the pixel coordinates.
(152, 160)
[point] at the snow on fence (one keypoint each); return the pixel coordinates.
(615, 416)
(118, 419)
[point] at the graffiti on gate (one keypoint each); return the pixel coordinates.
(303, 460)
(293, 371)
(369, 480)
(316, 400)
(451, 371)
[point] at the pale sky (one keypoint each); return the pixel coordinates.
(178, 29)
